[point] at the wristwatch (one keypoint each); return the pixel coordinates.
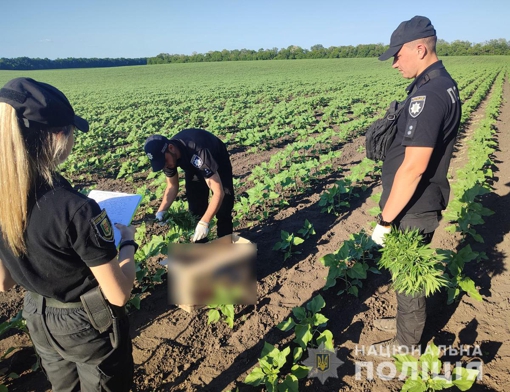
(382, 222)
(128, 242)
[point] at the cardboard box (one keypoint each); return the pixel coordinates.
(220, 272)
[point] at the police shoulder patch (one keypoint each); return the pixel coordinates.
(416, 105)
(103, 227)
(196, 161)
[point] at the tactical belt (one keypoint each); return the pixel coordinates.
(101, 314)
(53, 303)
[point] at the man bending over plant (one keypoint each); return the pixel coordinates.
(414, 172)
(206, 164)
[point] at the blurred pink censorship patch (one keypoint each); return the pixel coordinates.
(220, 272)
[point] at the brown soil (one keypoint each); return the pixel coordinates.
(177, 351)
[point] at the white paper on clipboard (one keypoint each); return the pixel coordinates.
(120, 207)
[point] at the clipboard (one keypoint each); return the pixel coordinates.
(120, 207)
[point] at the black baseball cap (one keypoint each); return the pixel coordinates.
(409, 30)
(41, 103)
(155, 148)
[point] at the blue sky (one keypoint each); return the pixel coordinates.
(144, 28)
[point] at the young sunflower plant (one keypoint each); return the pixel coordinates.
(415, 268)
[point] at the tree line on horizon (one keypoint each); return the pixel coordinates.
(456, 48)
(27, 63)
(499, 46)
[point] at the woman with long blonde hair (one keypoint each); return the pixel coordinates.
(58, 244)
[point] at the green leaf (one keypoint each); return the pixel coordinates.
(266, 364)
(281, 358)
(468, 286)
(319, 319)
(286, 325)
(297, 241)
(278, 245)
(464, 378)
(438, 383)
(414, 386)
(8, 351)
(326, 338)
(477, 237)
(271, 383)
(434, 351)
(268, 349)
(255, 378)
(375, 270)
(4, 327)
(213, 316)
(299, 312)
(353, 290)
(451, 229)
(35, 366)
(374, 211)
(401, 359)
(357, 271)
(228, 311)
(328, 260)
(303, 335)
(430, 363)
(300, 371)
(466, 254)
(316, 304)
(453, 293)
(297, 354)
(290, 384)
(135, 301)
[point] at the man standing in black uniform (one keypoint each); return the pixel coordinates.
(206, 164)
(414, 173)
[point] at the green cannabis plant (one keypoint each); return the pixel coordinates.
(414, 266)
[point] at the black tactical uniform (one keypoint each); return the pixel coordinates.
(203, 155)
(66, 234)
(430, 118)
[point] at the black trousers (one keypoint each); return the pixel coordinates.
(197, 193)
(411, 310)
(74, 355)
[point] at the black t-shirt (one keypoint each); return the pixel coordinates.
(431, 118)
(202, 154)
(66, 234)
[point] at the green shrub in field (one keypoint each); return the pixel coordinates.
(415, 268)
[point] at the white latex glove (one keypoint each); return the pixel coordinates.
(379, 233)
(201, 231)
(160, 215)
